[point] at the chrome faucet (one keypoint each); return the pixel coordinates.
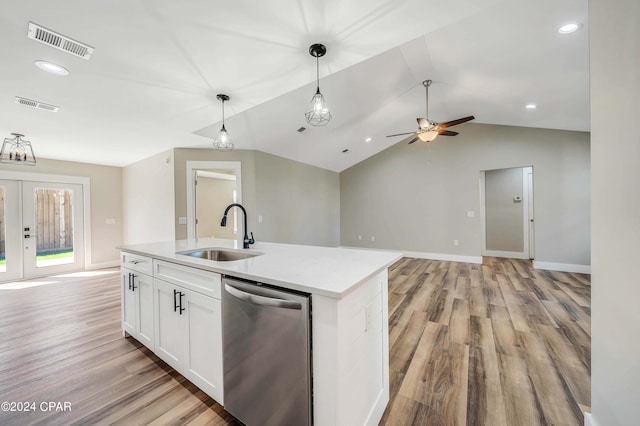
(245, 241)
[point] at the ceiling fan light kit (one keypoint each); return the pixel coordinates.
(317, 113)
(429, 130)
(222, 142)
(16, 150)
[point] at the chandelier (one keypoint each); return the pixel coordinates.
(16, 150)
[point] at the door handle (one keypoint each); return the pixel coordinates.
(181, 308)
(175, 300)
(261, 300)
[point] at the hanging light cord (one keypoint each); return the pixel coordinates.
(223, 114)
(317, 74)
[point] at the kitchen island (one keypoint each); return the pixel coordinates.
(349, 325)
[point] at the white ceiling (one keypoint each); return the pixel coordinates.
(152, 81)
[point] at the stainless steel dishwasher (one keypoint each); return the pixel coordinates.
(267, 354)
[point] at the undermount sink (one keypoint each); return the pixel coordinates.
(219, 255)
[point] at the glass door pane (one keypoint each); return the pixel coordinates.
(53, 228)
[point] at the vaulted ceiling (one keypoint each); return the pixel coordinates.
(152, 81)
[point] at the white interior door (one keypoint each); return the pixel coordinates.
(10, 231)
(52, 228)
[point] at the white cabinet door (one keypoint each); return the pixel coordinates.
(137, 306)
(143, 289)
(170, 331)
(203, 360)
(128, 303)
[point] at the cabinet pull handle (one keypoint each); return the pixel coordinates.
(175, 300)
(129, 280)
(181, 308)
(133, 282)
(135, 262)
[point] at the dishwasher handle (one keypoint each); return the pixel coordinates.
(261, 300)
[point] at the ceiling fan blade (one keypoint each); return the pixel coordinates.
(456, 122)
(401, 134)
(413, 140)
(446, 132)
(423, 123)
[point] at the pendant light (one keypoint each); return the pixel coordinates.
(17, 151)
(222, 142)
(317, 113)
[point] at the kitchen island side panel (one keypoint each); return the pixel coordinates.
(351, 355)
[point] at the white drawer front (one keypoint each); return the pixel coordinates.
(136, 262)
(204, 282)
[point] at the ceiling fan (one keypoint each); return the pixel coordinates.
(428, 130)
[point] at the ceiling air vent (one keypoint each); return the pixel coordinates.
(35, 104)
(60, 42)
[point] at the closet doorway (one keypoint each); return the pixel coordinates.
(508, 224)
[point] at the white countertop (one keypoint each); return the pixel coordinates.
(326, 271)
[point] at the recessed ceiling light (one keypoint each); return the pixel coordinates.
(569, 28)
(531, 106)
(367, 140)
(52, 68)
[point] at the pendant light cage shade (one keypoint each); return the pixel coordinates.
(222, 142)
(16, 150)
(317, 113)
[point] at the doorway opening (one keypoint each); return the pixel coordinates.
(212, 186)
(508, 225)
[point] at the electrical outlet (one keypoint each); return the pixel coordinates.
(456, 243)
(110, 221)
(373, 238)
(260, 218)
(471, 213)
(359, 237)
(182, 220)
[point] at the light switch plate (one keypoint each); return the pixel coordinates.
(182, 220)
(110, 221)
(471, 213)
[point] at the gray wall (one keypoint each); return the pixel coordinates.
(504, 223)
(298, 203)
(106, 201)
(247, 161)
(615, 150)
(415, 197)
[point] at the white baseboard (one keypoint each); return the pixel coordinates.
(508, 254)
(103, 265)
(563, 267)
(442, 256)
(431, 256)
(588, 420)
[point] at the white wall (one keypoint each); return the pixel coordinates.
(148, 197)
(415, 197)
(615, 153)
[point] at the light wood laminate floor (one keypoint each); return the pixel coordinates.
(493, 344)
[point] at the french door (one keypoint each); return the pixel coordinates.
(42, 229)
